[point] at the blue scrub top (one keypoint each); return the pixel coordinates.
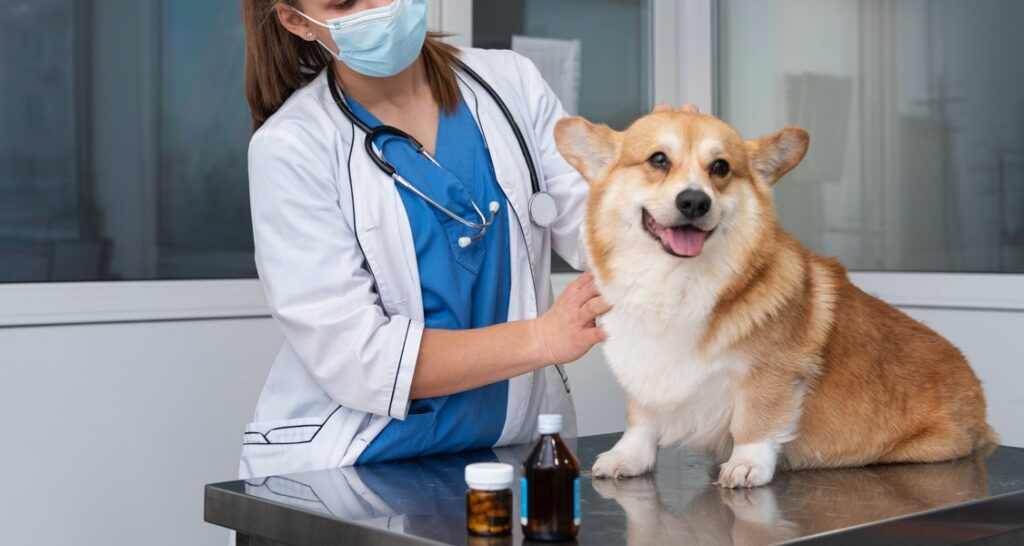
(462, 287)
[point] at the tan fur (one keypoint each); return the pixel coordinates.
(863, 382)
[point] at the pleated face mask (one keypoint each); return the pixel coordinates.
(379, 42)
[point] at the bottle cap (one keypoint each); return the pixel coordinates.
(550, 423)
(489, 476)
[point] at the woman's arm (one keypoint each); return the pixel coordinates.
(311, 266)
(327, 306)
(452, 361)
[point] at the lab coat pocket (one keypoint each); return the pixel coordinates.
(294, 445)
(380, 267)
(285, 432)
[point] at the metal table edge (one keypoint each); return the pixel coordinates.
(324, 529)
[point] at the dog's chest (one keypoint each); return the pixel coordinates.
(657, 359)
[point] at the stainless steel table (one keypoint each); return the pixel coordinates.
(978, 501)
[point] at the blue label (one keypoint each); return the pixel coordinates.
(523, 505)
(576, 501)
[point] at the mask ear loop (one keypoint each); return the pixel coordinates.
(324, 25)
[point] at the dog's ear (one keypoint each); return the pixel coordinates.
(772, 157)
(588, 147)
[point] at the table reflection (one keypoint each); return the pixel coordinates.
(796, 504)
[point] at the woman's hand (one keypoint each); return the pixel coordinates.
(688, 108)
(567, 330)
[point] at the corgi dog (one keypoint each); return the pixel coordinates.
(729, 336)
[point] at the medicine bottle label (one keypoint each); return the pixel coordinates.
(524, 513)
(575, 501)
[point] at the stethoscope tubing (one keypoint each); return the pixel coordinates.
(387, 168)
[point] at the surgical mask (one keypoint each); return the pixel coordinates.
(379, 42)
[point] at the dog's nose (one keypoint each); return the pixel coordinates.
(693, 203)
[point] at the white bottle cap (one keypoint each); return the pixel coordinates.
(549, 423)
(489, 476)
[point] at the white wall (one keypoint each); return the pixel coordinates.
(113, 429)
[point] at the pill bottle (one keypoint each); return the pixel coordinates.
(489, 499)
(550, 486)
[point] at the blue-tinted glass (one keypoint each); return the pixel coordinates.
(611, 43)
(916, 117)
(41, 187)
(205, 227)
(123, 134)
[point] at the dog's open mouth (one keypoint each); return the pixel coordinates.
(685, 241)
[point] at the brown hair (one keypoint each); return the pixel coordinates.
(277, 62)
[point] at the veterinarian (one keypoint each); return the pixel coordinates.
(411, 282)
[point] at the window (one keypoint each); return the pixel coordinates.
(595, 54)
(123, 134)
(45, 218)
(916, 120)
(608, 80)
(205, 226)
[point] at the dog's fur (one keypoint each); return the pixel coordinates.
(754, 350)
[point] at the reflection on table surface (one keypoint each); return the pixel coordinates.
(796, 504)
(679, 504)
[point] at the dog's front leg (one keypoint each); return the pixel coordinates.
(635, 453)
(766, 415)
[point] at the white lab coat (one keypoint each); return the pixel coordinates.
(334, 251)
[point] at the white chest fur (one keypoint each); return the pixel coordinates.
(654, 330)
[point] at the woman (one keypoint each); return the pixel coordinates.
(402, 339)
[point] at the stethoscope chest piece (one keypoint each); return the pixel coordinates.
(543, 210)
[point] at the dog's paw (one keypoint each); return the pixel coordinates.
(744, 473)
(621, 464)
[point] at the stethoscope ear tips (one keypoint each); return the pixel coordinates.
(494, 206)
(465, 241)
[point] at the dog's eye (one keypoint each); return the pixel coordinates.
(719, 168)
(658, 160)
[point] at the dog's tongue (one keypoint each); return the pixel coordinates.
(684, 240)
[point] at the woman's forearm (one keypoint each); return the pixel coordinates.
(452, 361)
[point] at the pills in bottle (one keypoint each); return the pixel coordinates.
(489, 499)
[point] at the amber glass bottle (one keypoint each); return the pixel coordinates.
(550, 486)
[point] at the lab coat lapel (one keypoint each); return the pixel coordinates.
(385, 234)
(514, 181)
(523, 294)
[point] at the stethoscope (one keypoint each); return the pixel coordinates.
(543, 209)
